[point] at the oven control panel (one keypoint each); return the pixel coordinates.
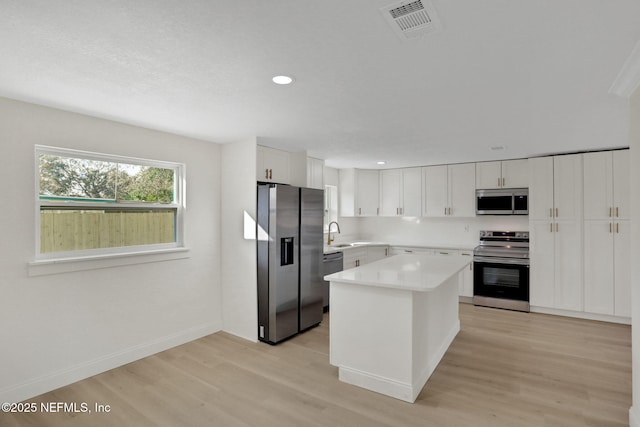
(505, 234)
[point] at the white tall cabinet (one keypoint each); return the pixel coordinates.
(449, 190)
(555, 225)
(606, 233)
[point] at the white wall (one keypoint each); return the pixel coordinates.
(634, 142)
(445, 232)
(239, 265)
(59, 328)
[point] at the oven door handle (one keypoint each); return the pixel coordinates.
(498, 260)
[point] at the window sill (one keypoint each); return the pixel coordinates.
(66, 265)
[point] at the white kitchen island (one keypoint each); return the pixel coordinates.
(393, 320)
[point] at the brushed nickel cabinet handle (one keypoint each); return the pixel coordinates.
(557, 213)
(618, 228)
(266, 174)
(270, 173)
(498, 181)
(610, 228)
(610, 212)
(556, 227)
(504, 182)
(550, 212)
(617, 212)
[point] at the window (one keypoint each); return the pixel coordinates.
(94, 204)
(330, 205)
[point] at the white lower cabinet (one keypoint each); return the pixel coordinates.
(375, 253)
(465, 289)
(354, 257)
(607, 287)
(622, 269)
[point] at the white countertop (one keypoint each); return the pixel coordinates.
(414, 272)
(339, 247)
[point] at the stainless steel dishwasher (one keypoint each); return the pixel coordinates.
(331, 263)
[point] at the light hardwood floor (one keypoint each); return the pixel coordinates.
(503, 369)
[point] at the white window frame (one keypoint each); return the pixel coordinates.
(122, 251)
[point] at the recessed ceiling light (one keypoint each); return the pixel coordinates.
(282, 80)
(382, 163)
(497, 148)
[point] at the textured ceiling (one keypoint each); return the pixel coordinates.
(530, 75)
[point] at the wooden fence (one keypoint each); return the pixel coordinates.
(68, 230)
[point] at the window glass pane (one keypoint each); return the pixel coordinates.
(64, 230)
(145, 184)
(71, 178)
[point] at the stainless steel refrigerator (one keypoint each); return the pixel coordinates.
(289, 260)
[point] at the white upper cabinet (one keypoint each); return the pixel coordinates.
(401, 192)
(606, 185)
(568, 185)
(272, 165)
(621, 184)
(359, 192)
(598, 185)
(412, 192)
(436, 190)
(503, 174)
(488, 175)
(541, 188)
(315, 173)
(449, 190)
(391, 192)
(462, 190)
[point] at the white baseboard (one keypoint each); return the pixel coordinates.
(382, 385)
(51, 381)
(581, 315)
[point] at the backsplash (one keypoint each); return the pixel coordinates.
(448, 232)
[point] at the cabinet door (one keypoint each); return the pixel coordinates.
(347, 192)
(622, 268)
(598, 184)
(541, 188)
(621, 184)
(367, 192)
(488, 175)
(466, 284)
(354, 258)
(542, 258)
(272, 165)
(515, 173)
(462, 190)
(390, 192)
(375, 253)
(412, 192)
(598, 267)
(568, 265)
(435, 191)
(567, 187)
(315, 173)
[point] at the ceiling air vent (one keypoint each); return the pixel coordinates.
(412, 19)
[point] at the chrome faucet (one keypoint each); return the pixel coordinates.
(329, 239)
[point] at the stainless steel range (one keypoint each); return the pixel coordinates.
(501, 270)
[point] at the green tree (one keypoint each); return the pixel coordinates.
(70, 177)
(83, 178)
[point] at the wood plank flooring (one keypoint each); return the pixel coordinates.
(503, 369)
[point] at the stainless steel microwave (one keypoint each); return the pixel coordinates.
(502, 201)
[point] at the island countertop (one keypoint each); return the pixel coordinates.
(413, 272)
